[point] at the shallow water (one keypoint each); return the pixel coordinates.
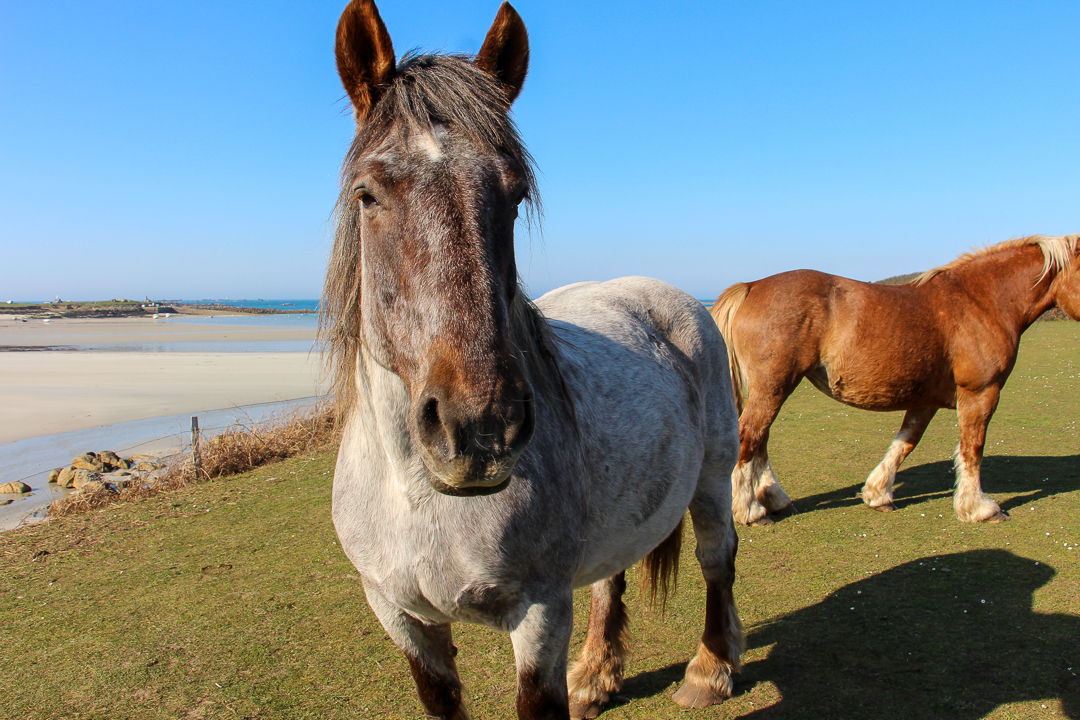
(30, 460)
(210, 346)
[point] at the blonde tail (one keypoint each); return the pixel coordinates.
(723, 312)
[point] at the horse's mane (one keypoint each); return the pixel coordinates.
(428, 90)
(1057, 253)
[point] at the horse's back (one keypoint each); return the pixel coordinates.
(865, 344)
(647, 368)
(637, 315)
(819, 303)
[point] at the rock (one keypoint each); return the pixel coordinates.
(93, 486)
(84, 478)
(120, 478)
(109, 457)
(6, 501)
(54, 474)
(146, 465)
(66, 478)
(13, 488)
(88, 461)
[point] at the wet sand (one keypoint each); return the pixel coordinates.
(46, 391)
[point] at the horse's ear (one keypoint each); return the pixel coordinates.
(365, 56)
(505, 53)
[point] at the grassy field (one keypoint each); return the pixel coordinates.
(232, 599)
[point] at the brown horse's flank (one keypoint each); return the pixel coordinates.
(948, 339)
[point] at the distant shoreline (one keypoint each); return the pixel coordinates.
(124, 309)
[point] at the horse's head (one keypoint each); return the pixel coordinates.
(423, 274)
(1066, 286)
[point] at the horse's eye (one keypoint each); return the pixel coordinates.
(367, 199)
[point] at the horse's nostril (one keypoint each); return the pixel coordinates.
(429, 415)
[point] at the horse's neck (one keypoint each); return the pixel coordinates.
(379, 416)
(1008, 285)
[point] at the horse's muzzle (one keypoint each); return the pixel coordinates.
(472, 453)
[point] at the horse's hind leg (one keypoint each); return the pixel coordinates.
(877, 492)
(754, 490)
(766, 488)
(974, 412)
(430, 651)
(708, 676)
(598, 673)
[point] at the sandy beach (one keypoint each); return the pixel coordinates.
(44, 391)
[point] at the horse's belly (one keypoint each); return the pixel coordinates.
(616, 545)
(883, 389)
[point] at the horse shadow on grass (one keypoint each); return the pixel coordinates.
(950, 636)
(1034, 477)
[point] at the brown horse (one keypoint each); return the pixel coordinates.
(948, 339)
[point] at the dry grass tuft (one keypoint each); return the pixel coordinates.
(245, 447)
(235, 451)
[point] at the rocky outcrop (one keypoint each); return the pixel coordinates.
(92, 471)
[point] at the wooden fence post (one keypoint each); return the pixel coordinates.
(196, 457)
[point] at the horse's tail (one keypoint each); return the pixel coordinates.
(660, 568)
(723, 312)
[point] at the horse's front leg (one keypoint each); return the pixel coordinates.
(598, 674)
(541, 641)
(877, 492)
(430, 651)
(974, 411)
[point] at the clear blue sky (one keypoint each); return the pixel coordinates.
(191, 149)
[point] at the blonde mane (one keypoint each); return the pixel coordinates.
(1057, 253)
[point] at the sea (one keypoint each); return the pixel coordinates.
(281, 305)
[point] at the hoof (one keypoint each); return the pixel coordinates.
(585, 711)
(999, 516)
(692, 696)
(763, 521)
(884, 508)
(786, 511)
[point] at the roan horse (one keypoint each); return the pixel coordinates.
(496, 453)
(948, 339)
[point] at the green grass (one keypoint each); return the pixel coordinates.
(232, 599)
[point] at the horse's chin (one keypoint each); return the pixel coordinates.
(468, 490)
(494, 478)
